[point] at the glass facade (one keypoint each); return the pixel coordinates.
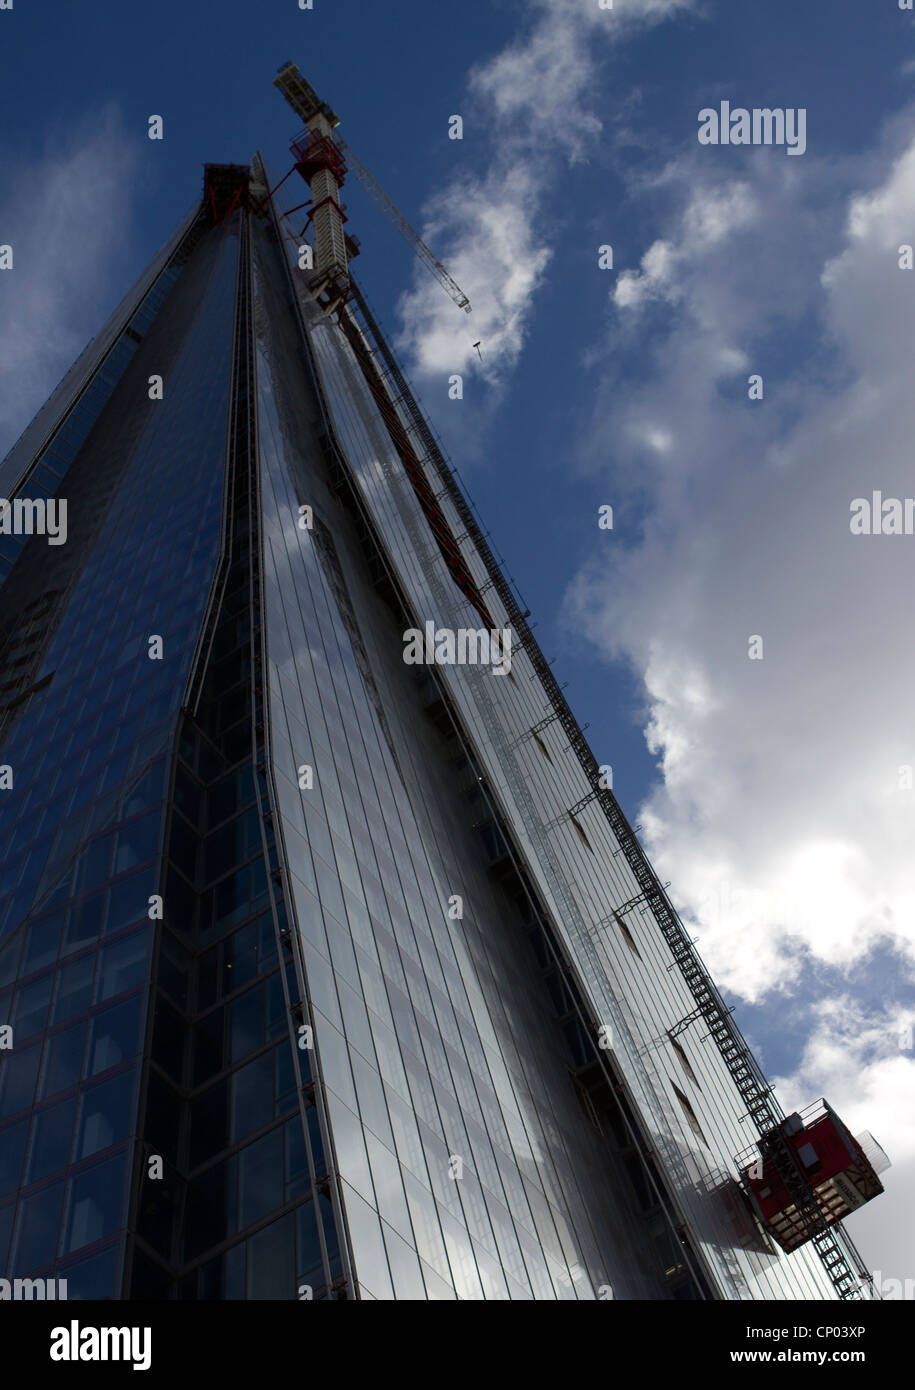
(89, 755)
(324, 973)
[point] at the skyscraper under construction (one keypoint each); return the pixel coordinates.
(330, 966)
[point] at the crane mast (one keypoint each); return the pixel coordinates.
(322, 158)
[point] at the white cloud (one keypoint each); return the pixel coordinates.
(780, 793)
(865, 1065)
(779, 819)
(654, 279)
(711, 216)
(64, 217)
(497, 259)
(535, 100)
(714, 214)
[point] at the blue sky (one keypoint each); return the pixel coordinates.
(768, 791)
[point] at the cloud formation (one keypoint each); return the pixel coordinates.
(781, 820)
(863, 1060)
(785, 815)
(535, 100)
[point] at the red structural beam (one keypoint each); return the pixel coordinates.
(438, 522)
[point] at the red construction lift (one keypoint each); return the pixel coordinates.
(829, 1174)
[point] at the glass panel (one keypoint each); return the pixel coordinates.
(63, 1056)
(7, 1213)
(137, 842)
(404, 1263)
(271, 1261)
(224, 1277)
(83, 922)
(122, 965)
(247, 1023)
(209, 1123)
(94, 1203)
(18, 1074)
(308, 1246)
(128, 901)
(37, 1221)
(50, 1146)
(260, 1177)
(12, 1150)
(105, 1111)
(44, 938)
(74, 988)
(365, 1228)
(92, 1277)
(30, 1007)
(252, 1096)
(297, 1178)
(113, 1035)
(211, 1208)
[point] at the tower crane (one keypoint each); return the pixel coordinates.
(322, 159)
